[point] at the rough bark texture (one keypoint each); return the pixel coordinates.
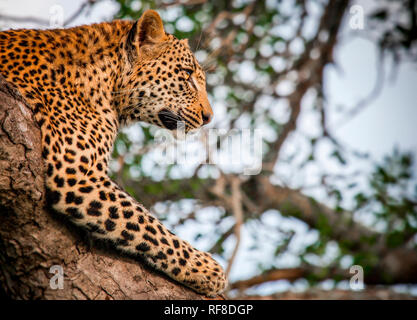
(32, 239)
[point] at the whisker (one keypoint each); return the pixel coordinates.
(132, 106)
(199, 40)
(174, 119)
(168, 113)
(125, 90)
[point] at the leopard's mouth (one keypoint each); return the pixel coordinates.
(170, 120)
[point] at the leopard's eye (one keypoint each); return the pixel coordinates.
(189, 72)
(189, 78)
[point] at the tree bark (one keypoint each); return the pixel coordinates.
(32, 239)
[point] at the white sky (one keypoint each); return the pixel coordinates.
(388, 120)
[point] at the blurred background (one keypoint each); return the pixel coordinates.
(330, 90)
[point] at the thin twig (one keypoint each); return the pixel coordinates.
(367, 100)
(181, 2)
(236, 203)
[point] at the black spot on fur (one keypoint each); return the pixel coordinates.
(103, 196)
(95, 204)
(70, 197)
(95, 228)
(143, 247)
(113, 213)
(176, 243)
(86, 189)
(176, 271)
(52, 197)
(127, 235)
(150, 239)
(50, 170)
(132, 226)
(161, 255)
(150, 229)
(110, 225)
(74, 213)
(127, 213)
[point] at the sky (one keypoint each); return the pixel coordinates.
(387, 121)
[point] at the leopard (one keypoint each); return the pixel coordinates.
(84, 84)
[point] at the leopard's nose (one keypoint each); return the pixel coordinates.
(206, 116)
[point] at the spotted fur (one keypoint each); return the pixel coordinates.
(84, 83)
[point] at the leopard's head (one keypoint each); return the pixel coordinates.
(166, 86)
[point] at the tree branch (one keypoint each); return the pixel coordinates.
(236, 203)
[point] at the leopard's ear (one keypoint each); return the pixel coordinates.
(150, 27)
(145, 36)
